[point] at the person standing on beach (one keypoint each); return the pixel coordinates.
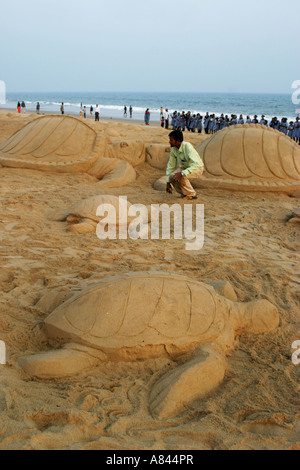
(130, 111)
(147, 117)
(199, 124)
(283, 127)
(125, 111)
(184, 164)
(23, 106)
(173, 120)
(206, 121)
(178, 122)
(84, 111)
(97, 113)
(221, 122)
(91, 110)
(262, 121)
(38, 108)
(291, 129)
(19, 107)
(62, 109)
(296, 134)
(211, 124)
(167, 117)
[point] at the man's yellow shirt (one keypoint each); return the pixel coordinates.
(186, 157)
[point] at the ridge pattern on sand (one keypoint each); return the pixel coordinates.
(64, 144)
(250, 156)
(54, 139)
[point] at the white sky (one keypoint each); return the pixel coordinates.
(154, 45)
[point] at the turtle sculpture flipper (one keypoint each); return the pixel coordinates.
(65, 144)
(112, 172)
(142, 315)
(65, 362)
(186, 383)
(202, 374)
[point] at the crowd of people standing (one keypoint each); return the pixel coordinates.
(210, 124)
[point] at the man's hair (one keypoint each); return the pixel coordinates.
(177, 135)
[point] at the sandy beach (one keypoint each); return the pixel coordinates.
(248, 242)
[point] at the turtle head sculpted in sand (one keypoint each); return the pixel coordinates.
(65, 144)
(142, 315)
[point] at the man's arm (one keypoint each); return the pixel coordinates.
(194, 159)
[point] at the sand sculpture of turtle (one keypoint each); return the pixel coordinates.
(141, 315)
(83, 218)
(65, 144)
(132, 151)
(247, 157)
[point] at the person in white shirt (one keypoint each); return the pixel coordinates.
(167, 117)
(97, 113)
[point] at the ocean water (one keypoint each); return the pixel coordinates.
(112, 104)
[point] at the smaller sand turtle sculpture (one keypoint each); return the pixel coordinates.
(247, 157)
(142, 315)
(65, 144)
(85, 215)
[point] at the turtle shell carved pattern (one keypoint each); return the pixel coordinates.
(251, 155)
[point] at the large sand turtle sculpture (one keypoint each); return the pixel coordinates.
(141, 315)
(66, 144)
(247, 157)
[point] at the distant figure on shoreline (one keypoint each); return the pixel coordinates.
(130, 111)
(97, 113)
(296, 134)
(38, 108)
(84, 111)
(62, 109)
(167, 117)
(91, 110)
(19, 107)
(147, 117)
(125, 111)
(23, 106)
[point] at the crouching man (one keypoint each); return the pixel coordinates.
(184, 164)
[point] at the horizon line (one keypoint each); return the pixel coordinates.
(165, 92)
